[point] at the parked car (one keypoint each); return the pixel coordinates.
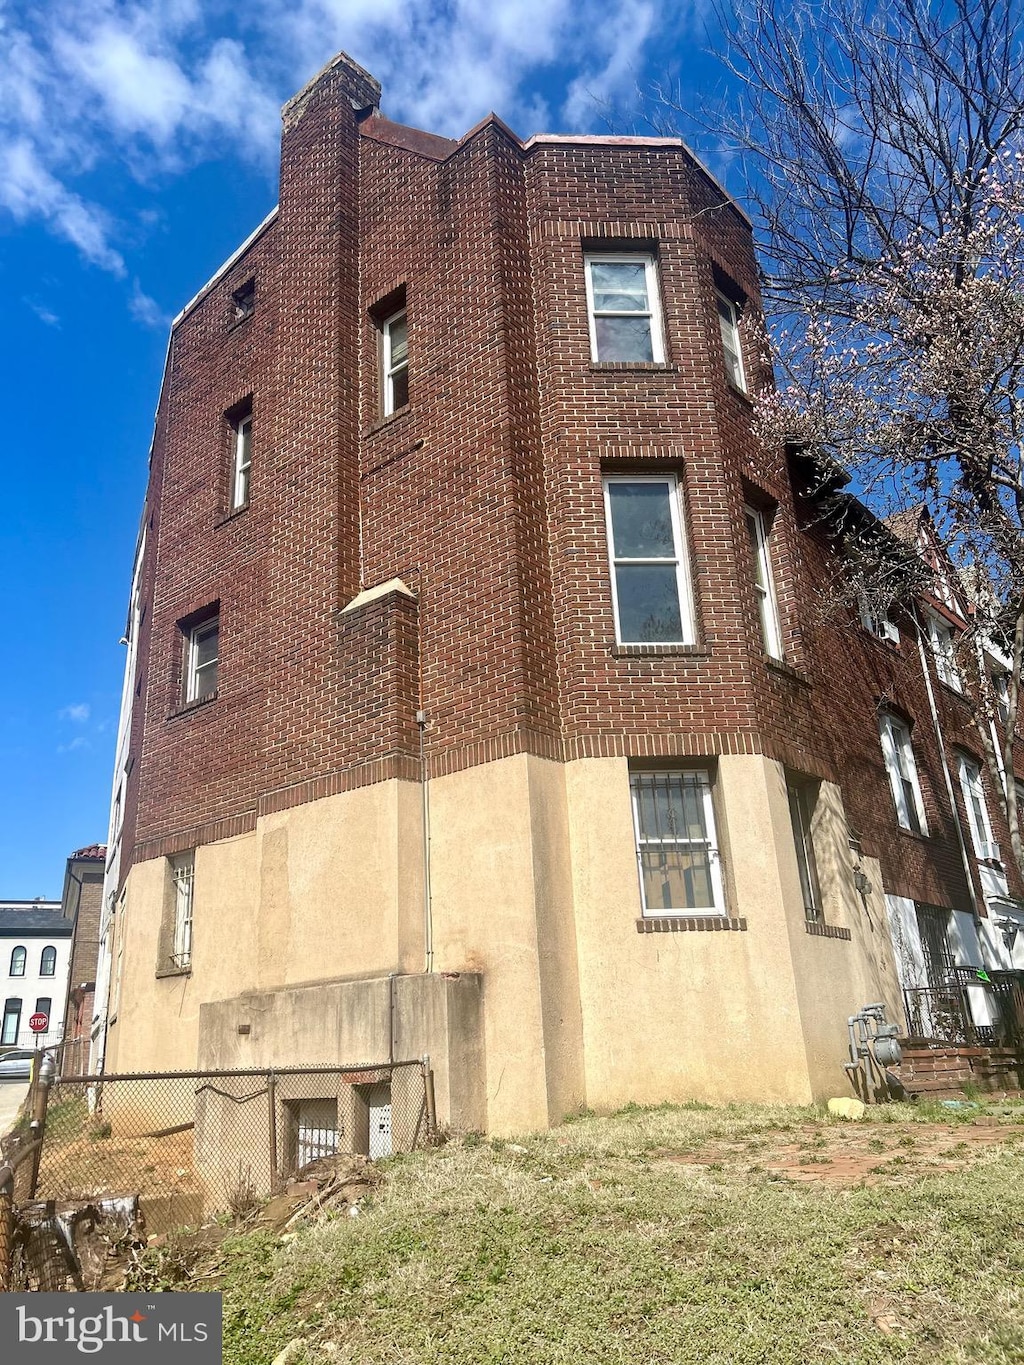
(16, 1065)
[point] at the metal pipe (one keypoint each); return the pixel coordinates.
(950, 792)
(428, 913)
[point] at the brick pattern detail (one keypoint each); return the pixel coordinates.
(484, 496)
(685, 924)
(820, 930)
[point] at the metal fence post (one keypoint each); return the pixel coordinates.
(37, 1127)
(6, 1227)
(429, 1097)
(272, 1129)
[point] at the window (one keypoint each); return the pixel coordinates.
(1001, 690)
(650, 581)
(18, 956)
(676, 847)
(12, 1021)
(941, 638)
(243, 301)
(902, 769)
(182, 880)
(395, 361)
(202, 649)
(43, 1004)
(729, 325)
(48, 962)
(802, 800)
(757, 535)
(933, 928)
(876, 622)
(241, 464)
(622, 305)
(973, 790)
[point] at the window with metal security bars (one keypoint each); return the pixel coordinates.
(651, 595)
(933, 927)
(623, 309)
(801, 809)
(316, 1130)
(183, 869)
(676, 845)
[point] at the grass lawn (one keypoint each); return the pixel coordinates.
(663, 1235)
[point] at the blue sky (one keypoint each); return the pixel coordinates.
(138, 148)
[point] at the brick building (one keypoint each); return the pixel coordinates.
(465, 595)
(81, 904)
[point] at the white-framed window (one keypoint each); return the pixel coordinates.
(901, 766)
(973, 790)
(676, 844)
(395, 361)
(624, 308)
(940, 636)
(876, 622)
(241, 468)
(729, 325)
(802, 800)
(183, 871)
(202, 653)
(12, 1021)
(48, 961)
(651, 594)
(764, 587)
(18, 957)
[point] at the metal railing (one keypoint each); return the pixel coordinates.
(945, 1013)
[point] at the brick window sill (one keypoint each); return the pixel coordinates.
(235, 323)
(632, 367)
(820, 930)
(910, 834)
(638, 651)
(233, 515)
(683, 924)
(384, 422)
(196, 705)
(739, 393)
(786, 670)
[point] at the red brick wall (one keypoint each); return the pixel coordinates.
(484, 495)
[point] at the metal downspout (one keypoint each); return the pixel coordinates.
(950, 791)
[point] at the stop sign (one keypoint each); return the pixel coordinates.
(39, 1023)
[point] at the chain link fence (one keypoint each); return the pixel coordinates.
(168, 1149)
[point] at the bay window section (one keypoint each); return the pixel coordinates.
(623, 309)
(651, 594)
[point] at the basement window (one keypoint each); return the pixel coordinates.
(676, 843)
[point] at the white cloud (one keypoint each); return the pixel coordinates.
(79, 742)
(156, 85)
(78, 711)
(144, 309)
(43, 313)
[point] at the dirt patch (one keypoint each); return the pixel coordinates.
(854, 1154)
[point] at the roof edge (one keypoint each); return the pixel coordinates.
(222, 270)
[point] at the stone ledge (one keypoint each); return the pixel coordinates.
(681, 924)
(827, 930)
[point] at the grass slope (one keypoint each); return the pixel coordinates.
(602, 1242)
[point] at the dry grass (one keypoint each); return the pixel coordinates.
(661, 1236)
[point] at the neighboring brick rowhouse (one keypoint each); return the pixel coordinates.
(477, 509)
(81, 903)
